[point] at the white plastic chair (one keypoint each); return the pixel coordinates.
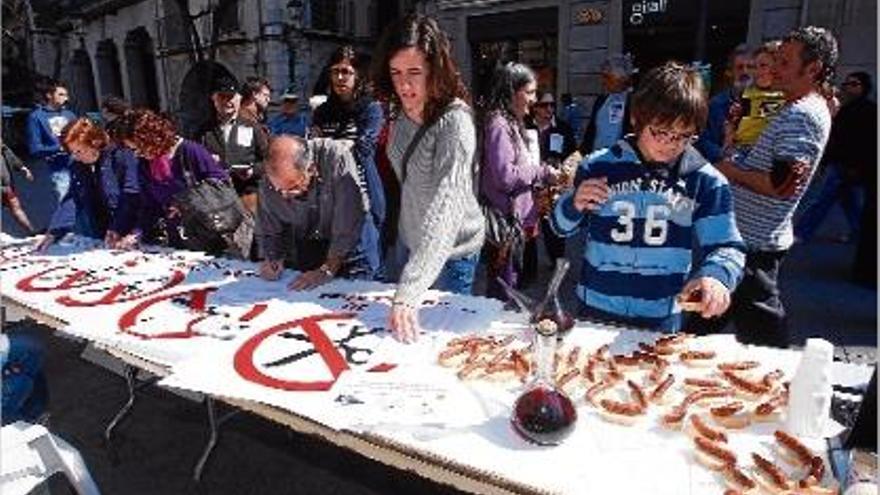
(30, 455)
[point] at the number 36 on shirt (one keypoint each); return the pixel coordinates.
(656, 223)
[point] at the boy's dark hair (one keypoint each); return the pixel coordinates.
(670, 93)
(818, 45)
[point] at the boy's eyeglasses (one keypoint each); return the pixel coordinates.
(666, 136)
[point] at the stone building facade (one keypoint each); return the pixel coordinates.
(146, 51)
(567, 40)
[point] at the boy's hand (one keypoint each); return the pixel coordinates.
(591, 194)
(706, 296)
(27, 174)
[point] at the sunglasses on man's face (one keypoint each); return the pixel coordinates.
(848, 84)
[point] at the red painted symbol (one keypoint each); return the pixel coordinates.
(196, 301)
(254, 312)
(336, 364)
(74, 280)
(117, 294)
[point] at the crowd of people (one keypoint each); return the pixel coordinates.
(686, 201)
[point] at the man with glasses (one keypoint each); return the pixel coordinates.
(310, 193)
(237, 143)
(647, 203)
(770, 180)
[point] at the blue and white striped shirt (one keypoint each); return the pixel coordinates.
(798, 133)
(641, 242)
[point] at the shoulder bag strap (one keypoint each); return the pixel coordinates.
(186, 168)
(414, 142)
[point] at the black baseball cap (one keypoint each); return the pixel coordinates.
(225, 85)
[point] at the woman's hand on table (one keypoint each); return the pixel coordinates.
(47, 240)
(404, 322)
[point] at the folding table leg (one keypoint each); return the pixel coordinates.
(213, 434)
(133, 387)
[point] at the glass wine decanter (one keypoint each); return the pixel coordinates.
(549, 308)
(544, 414)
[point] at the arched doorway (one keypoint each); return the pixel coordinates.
(141, 65)
(195, 96)
(82, 82)
(109, 77)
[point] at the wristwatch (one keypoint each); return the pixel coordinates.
(326, 270)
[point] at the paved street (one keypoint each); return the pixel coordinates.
(157, 447)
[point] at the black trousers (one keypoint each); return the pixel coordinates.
(756, 309)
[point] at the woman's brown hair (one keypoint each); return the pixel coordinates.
(151, 134)
(444, 79)
(84, 132)
(670, 93)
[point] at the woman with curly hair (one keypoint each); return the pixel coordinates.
(104, 197)
(431, 147)
(511, 168)
(154, 138)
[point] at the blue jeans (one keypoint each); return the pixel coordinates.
(24, 386)
(457, 275)
(60, 183)
(834, 189)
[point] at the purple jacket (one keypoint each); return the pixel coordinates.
(158, 195)
(508, 174)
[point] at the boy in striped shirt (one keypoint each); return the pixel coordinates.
(651, 204)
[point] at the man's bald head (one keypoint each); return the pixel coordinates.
(285, 153)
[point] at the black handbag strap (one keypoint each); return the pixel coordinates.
(186, 168)
(414, 142)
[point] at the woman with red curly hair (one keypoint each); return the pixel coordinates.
(104, 195)
(154, 138)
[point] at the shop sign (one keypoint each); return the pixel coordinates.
(640, 12)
